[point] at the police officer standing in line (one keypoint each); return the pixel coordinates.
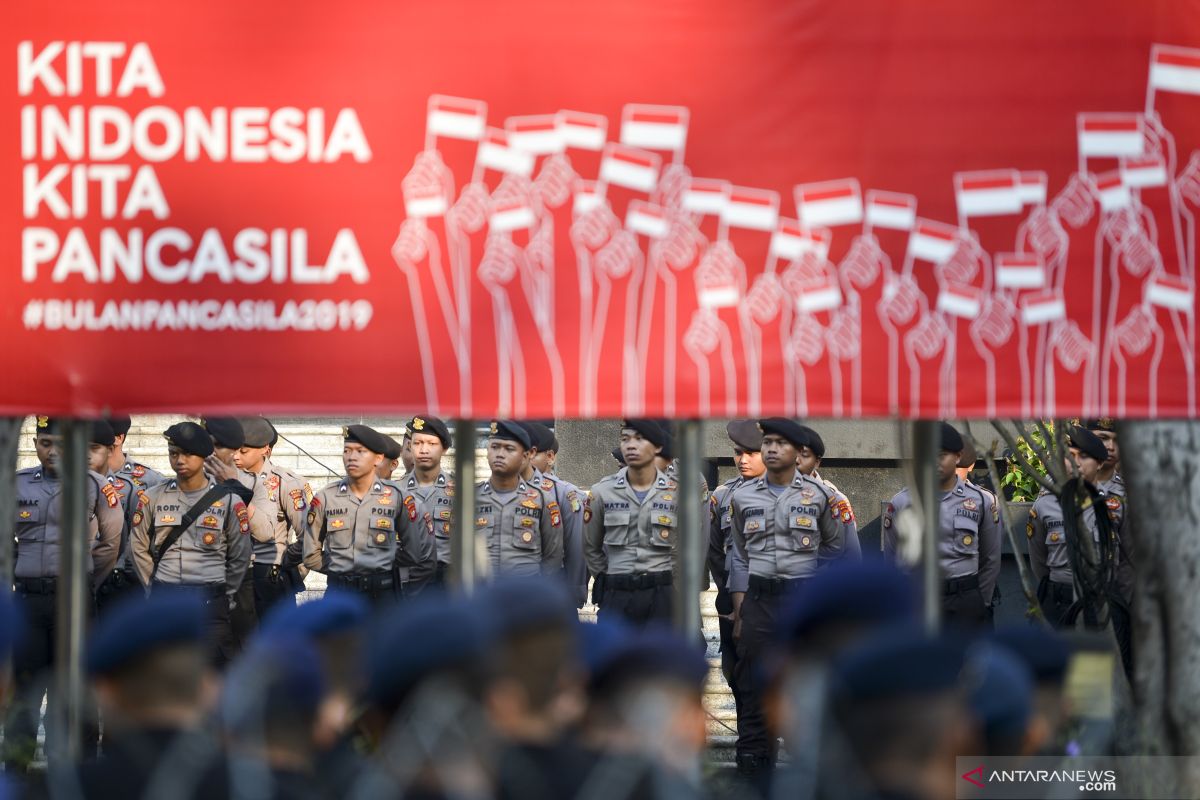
(747, 457)
(566, 495)
(968, 537)
(428, 498)
(352, 523)
(281, 497)
(121, 464)
(783, 531)
(1109, 481)
(121, 580)
(630, 530)
(194, 532)
(406, 454)
(1049, 556)
(809, 462)
(522, 527)
(39, 534)
(391, 458)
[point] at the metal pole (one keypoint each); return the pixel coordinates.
(10, 434)
(72, 595)
(926, 444)
(689, 551)
(462, 531)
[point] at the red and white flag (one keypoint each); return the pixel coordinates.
(706, 196)
(1110, 135)
(822, 296)
(1175, 69)
(1112, 191)
(1037, 309)
(647, 219)
(587, 197)
(960, 301)
(891, 210)
(988, 194)
(1019, 271)
(1143, 172)
(583, 131)
(456, 117)
(510, 216)
(495, 152)
(629, 167)
(829, 203)
(536, 134)
(790, 241)
(424, 201)
(654, 127)
(756, 209)
(933, 241)
(1031, 186)
(719, 295)
(1171, 292)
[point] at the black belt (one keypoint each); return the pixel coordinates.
(956, 585)
(362, 583)
(1062, 592)
(773, 585)
(36, 585)
(639, 580)
(213, 590)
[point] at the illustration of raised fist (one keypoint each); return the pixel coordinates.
(618, 258)
(1135, 333)
(672, 183)
(593, 229)
(900, 301)
(996, 323)
(863, 263)
(844, 338)
(1189, 180)
(1044, 234)
(1139, 256)
(684, 240)
(929, 337)
(807, 341)
(1072, 345)
(469, 212)
(500, 262)
(554, 181)
(1074, 204)
(965, 264)
(428, 179)
(703, 334)
(411, 246)
(765, 299)
(720, 269)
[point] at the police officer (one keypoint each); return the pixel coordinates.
(194, 532)
(809, 462)
(521, 526)
(631, 528)
(352, 523)
(968, 537)
(391, 458)
(122, 579)
(39, 534)
(783, 531)
(747, 457)
(428, 499)
(1049, 553)
(1109, 481)
(566, 495)
(282, 498)
(406, 454)
(122, 464)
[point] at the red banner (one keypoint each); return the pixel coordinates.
(560, 209)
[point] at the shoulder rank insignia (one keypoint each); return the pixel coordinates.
(138, 471)
(297, 496)
(970, 505)
(243, 516)
(555, 514)
(1113, 503)
(529, 504)
(110, 495)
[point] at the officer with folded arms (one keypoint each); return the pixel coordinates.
(631, 528)
(194, 532)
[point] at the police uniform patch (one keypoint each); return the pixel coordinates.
(573, 501)
(480, 522)
(210, 522)
(968, 539)
(1113, 503)
(664, 520)
(527, 522)
(970, 505)
(143, 498)
(526, 537)
(1029, 530)
(753, 525)
(410, 505)
(419, 424)
(110, 495)
(312, 517)
(1054, 537)
(806, 541)
(804, 522)
(555, 514)
(297, 496)
(138, 472)
(449, 491)
(168, 519)
(137, 518)
(26, 515)
(308, 494)
(665, 534)
(380, 538)
(337, 524)
(493, 429)
(43, 421)
(668, 497)
(209, 538)
(217, 504)
(243, 516)
(383, 522)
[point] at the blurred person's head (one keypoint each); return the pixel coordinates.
(48, 443)
(967, 458)
(100, 446)
(950, 451)
(407, 458)
(809, 455)
(1000, 692)
(747, 447)
(1105, 429)
(1088, 453)
(642, 440)
(257, 437)
(391, 458)
(1047, 655)
(227, 438)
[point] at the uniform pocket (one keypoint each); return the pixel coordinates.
(663, 529)
(525, 533)
(804, 534)
(381, 530)
(966, 537)
(616, 527)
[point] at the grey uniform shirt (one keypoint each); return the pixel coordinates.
(349, 536)
(140, 474)
(844, 513)
(281, 497)
(968, 533)
(625, 535)
(130, 495)
(426, 522)
(1048, 554)
(568, 503)
(720, 553)
(39, 525)
(214, 549)
(522, 529)
(787, 534)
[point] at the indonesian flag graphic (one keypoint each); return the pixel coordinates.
(1031, 186)
(511, 216)
(891, 210)
(756, 209)
(790, 241)
(647, 219)
(587, 197)
(988, 194)
(960, 301)
(654, 127)
(829, 203)
(1175, 69)
(1037, 309)
(933, 241)
(1019, 271)
(1142, 172)
(823, 295)
(538, 134)
(706, 196)
(496, 152)
(581, 130)
(1111, 135)
(629, 167)
(1112, 191)
(1170, 292)
(424, 201)
(456, 117)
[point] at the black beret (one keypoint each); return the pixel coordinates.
(1088, 443)
(511, 431)
(190, 438)
(120, 425)
(138, 625)
(649, 429)
(257, 432)
(745, 434)
(668, 449)
(368, 437)
(1045, 651)
(225, 431)
(901, 662)
(618, 455)
(102, 433)
(815, 442)
(951, 439)
(554, 444)
(47, 426)
(430, 425)
(1101, 424)
(789, 429)
(541, 435)
(394, 448)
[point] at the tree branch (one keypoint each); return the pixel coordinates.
(1050, 454)
(1026, 467)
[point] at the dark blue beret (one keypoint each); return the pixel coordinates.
(1099, 424)
(901, 662)
(869, 592)
(787, 428)
(951, 440)
(138, 625)
(1045, 652)
(653, 652)
(510, 430)
(600, 641)
(277, 670)
(541, 436)
(1088, 443)
(102, 433)
(1000, 691)
(430, 633)
(190, 438)
(512, 605)
(430, 425)
(225, 431)
(649, 430)
(335, 613)
(47, 426)
(120, 425)
(394, 448)
(257, 432)
(367, 436)
(745, 434)
(815, 442)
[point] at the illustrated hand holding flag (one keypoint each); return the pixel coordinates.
(765, 299)
(807, 339)
(965, 264)
(994, 327)
(928, 338)
(1189, 180)
(1071, 345)
(469, 212)
(554, 181)
(428, 187)
(844, 336)
(1134, 334)
(500, 263)
(720, 277)
(863, 263)
(1138, 255)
